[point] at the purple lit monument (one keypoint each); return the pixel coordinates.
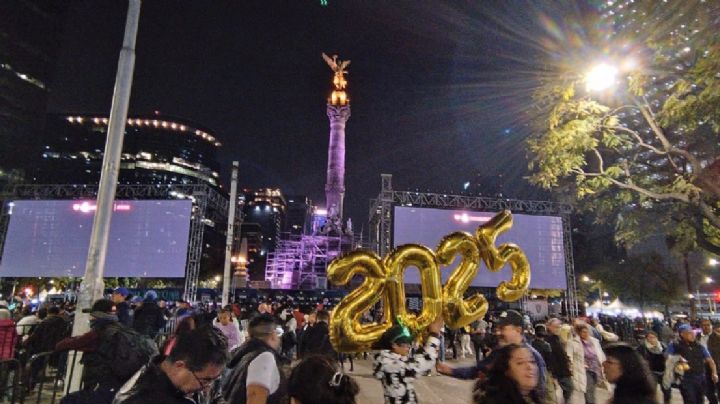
(338, 111)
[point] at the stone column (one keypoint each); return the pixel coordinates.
(335, 184)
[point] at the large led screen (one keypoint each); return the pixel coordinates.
(148, 238)
(540, 237)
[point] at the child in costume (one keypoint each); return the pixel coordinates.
(397, 369)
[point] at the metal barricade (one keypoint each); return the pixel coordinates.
(10, 377)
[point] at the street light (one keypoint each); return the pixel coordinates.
(601, 77)
(713, 262)
(709, 279)
(586, 278)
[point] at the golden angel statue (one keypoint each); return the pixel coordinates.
(338, 66)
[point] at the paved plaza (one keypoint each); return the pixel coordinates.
(438, 388)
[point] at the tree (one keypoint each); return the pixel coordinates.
(652, 280)
(646, 159)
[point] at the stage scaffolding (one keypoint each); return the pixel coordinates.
(381, 220)
(210, 208)
(301, 261)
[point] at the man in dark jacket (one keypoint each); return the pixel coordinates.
(149, 318)
(559, 363)
(99, 380)
(122, 307)
(43, 339)
(316, 339)
(196, 361)
(256, 376)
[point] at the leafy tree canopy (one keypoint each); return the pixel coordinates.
(645, 157)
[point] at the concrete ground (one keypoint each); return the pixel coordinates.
(438, 388)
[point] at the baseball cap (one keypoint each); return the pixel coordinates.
(151, 295)
(122, 291)
(510, 317)
(685, 327)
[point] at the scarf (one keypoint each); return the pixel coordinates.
(654, 349)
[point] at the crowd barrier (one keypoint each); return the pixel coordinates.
(43, 378)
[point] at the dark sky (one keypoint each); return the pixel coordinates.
(439, 90)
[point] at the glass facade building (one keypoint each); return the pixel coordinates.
(156, 150)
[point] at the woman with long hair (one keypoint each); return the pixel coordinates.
(634, 382)
(512, 378)
(317, 380)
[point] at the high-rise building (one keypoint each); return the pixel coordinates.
(30, 33)
(157, 149)
(298, 219)
(264, 209)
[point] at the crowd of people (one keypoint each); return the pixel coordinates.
(146, 350)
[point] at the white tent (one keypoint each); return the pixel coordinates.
(616, 308)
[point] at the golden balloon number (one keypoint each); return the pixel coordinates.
(385, 279)
(422, 258)
(347, 334)
(496, 258)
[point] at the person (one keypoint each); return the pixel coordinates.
(316, 339)
(465, 342)
(397, 368)
(122, 307)
(713, 345)
(586, 357)
(316, 380)
(27, 322)
(197, 360)
(629, 372)
(559, 363)
(512, 379)
(104, 373)
(479, 328)
(698, 360)
(509, 331)
(705, 332)
(183, 308)
(653, 351)
(702, 338)
(299, 316)
(289, 339)
(228, 328)
(255, 376)
(43, 339)
(149, 318)
(8, 337)
(186, 324)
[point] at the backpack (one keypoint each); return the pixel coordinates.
(127, 350)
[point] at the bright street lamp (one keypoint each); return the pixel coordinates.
(586, 278)
(601, 77)
(713, 262)
(709, 279)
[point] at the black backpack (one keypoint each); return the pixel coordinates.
(126, 350)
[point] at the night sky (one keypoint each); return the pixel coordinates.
(439, 90)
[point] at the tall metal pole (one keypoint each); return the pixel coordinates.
(230, 233)
(92, 285)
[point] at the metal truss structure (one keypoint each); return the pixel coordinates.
(301, 261)
(381, 220)
(210, 208)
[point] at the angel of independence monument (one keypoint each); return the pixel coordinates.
(300, 262)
